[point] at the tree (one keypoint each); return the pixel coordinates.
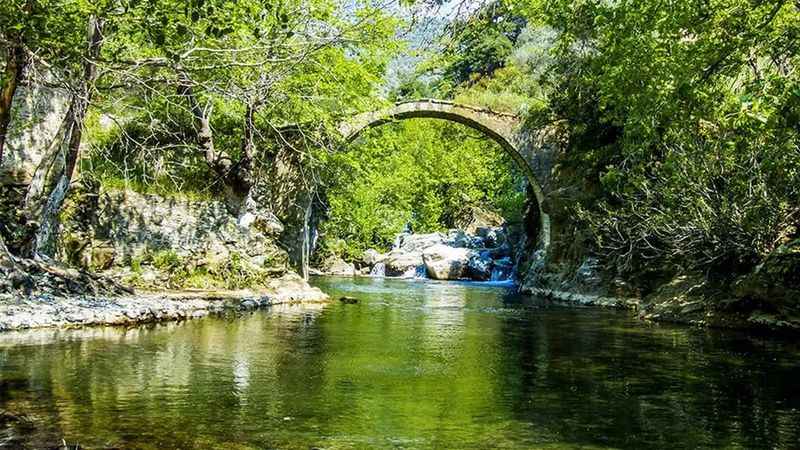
(683, 114)
(267, 65)
(27, 31)
(71, 141)
(254, 66)
(481, 43)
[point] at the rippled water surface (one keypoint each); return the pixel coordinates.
(414, 365)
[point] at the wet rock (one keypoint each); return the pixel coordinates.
(248, 305)
(460, 239)
(493, 237)
(447, 263)
(500, 252)
(400, 262)
(348, 300)
(372, 257)
(480, 266)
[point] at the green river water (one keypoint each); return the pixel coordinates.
(413, 365)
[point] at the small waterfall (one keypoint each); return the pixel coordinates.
(497, 275)
(410, 273)
(500, 274)
(378, 270)
(503, 270)
(418, 272)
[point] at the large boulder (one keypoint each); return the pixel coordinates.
(342, 268)
(447, 263)
(461, 239)
(402, 263)
(419, 242)
(493, 236)
(372, 257)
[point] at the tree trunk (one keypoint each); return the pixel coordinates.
(12, 76)
(235, 175)
(73, 126)
(305, 255)
(15, 67)
(7, 261)
(248, 142)
(202, 122)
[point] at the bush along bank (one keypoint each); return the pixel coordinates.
(579, 268)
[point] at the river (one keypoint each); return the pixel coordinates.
(413, 365)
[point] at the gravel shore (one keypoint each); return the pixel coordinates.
(40, 311)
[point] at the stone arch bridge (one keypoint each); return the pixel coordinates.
(505, 129)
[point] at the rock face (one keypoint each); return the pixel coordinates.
(36, 115)
(147, 239)
(447, 263)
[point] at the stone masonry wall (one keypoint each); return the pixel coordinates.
(121, 230)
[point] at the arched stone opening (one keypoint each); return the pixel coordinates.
(502, 128)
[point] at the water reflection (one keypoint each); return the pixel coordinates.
(413, 365)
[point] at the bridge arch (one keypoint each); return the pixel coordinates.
(505, 129)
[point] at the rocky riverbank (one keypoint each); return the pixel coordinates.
(41, 310)
(485, 255)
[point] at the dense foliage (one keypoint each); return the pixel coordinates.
(686, 115)
(682, 118)
(423, 174)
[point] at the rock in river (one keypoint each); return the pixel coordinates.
(400, 262)
(446, 263)
(372, 257)
(342, 268)
(480, 266)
